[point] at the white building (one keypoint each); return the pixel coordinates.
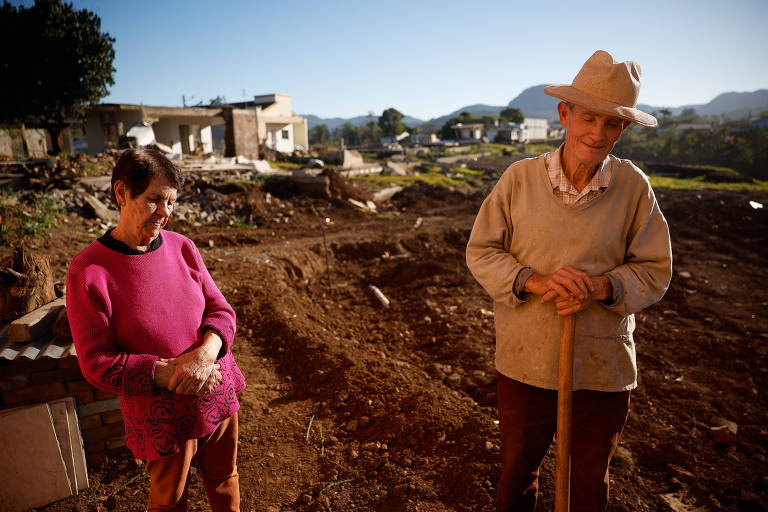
(277, 127)
(468, 132)
(531, 129)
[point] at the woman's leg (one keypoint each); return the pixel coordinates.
(169, 480)
(217, 462)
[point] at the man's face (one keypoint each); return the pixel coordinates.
(589, 136)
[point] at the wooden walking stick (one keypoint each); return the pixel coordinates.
(564, 414)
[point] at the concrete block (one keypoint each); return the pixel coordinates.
(34, 473)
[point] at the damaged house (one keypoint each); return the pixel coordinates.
(245, 128)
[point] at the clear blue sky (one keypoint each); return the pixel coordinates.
(346, 58)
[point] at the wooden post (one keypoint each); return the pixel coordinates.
(564, 415)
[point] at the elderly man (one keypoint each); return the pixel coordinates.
(573, 232)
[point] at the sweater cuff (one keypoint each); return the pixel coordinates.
(519, 285)
(618, 292)
(139, 374)
(226, 340)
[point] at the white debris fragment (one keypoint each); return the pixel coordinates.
(379, 295)
(755, 205)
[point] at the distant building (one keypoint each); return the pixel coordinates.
(469, 132)
(425, 139)
(696, 127)
(531, 129)
(760, 123)
(278, 128)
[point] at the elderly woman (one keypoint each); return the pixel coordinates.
(150, 324)
(572, 232)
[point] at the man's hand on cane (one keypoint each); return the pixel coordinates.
(571, 290)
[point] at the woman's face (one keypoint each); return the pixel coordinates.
(142, 217)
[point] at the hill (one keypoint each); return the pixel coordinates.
(534, 103)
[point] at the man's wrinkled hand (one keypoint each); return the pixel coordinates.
(570, 289)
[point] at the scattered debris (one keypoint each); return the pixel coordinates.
(379, 295)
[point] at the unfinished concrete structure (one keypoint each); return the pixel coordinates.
(183, 129)
(243, 128)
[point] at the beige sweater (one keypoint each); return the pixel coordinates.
(621, 234)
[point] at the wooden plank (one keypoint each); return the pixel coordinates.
(35, 323)
(61, 426)
(76, 441)
(33, 469)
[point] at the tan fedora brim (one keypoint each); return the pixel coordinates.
(571, 94)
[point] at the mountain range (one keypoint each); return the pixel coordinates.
(534, 103)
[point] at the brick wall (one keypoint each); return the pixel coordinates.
(25, 381)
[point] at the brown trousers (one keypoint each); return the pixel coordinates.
(528, 421)
(215, 456)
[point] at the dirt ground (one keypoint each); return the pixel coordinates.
(352, 406)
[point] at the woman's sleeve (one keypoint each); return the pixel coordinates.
(488, 256)
(103, 366)
(219, 315)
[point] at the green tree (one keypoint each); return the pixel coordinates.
(391, 122)
(488, 121)
(55, 61)
(370, 133)
(665, 112)
(512, 115)
(351, 134)
(688, 115)
(319, 135)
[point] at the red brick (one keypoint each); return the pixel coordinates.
(105, 432)
(36, 394)
(26, 366)
(12, 382)
(90, 422)
(103, 395)
(111, 417)
(61, 375)
(79, 385)
(68, 362)
(115, 443)
(94, 458)
(82, 397)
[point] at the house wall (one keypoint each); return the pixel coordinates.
(536, 129)
(275, 138)
(241, 137)
(300, 134)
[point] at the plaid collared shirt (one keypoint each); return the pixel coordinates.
(566, 192)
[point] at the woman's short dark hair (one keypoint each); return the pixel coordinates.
(137, 167)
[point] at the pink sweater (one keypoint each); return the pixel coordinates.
(125, 311)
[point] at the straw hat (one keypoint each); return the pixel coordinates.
(606, 86)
